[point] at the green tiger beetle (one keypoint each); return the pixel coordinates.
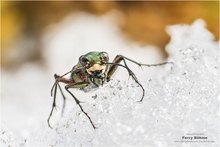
(92, 70)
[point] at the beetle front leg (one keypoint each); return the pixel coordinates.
(116, 63)
(120, 58)
(114, 66)
(79, 85)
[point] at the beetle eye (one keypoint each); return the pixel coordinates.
(83, 60)
(104, 57)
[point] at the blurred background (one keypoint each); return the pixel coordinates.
(39, 39)
(24, 23)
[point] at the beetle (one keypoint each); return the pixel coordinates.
(92, 70)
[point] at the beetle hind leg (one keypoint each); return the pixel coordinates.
(64, 99)
(54, 93)
(54, 102)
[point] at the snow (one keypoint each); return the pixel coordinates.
(180, 98)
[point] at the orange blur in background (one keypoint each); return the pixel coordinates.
(143, 22)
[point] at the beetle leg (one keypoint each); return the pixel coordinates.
(116, 63)
(64, 99)
(81, 84)
(54, 93)
(149, 65)
(53, 105)
(120, 58)
(114, 66)
(63, 80)
(56, 78)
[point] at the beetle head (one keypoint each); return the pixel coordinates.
(94, 63)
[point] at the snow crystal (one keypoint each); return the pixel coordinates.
(8, 137)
